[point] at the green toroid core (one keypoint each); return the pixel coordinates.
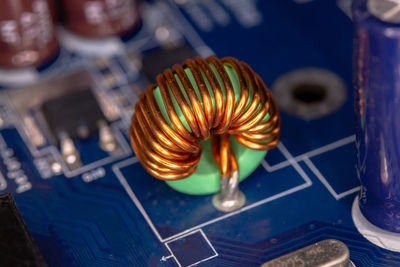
(205, 180)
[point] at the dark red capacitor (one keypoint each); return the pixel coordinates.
(27, 36)
(101, 18)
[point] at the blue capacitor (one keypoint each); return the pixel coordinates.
(377, 106)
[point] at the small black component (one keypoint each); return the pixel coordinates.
(73, 112)
(17, 247)
(156, 61)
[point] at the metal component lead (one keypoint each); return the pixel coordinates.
(107, 139)
(68, 150)
(327, 253)
(56, 168)
(229, 198)
(83, 131)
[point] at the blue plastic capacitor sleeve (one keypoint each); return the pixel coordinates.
(377, 106)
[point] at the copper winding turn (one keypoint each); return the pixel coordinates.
(170, 153)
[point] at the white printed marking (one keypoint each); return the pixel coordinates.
(320, 177)
(294, 163)
(165, 258)
(345, 6)
(14, 170)
(349, 192)
(276, 167)
(93, 175)
(323, 180)
(329, 147)
(180, 237)
(312, 153)
(393, 11)
(248, 207)
(116, 168)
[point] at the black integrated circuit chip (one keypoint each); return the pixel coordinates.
(156, 61)
(17, 247)
(70, 112)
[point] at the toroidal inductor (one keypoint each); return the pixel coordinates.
(210, 121)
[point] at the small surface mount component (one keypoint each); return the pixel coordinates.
(17, 247)
(327, 253)
(74, 117)
(156, 61)
(76, 114)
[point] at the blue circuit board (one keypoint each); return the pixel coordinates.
(110, 212)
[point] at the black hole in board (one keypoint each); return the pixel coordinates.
(309, 93)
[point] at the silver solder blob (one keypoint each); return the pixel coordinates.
(68, 150)
(229, 198)
(107, 140)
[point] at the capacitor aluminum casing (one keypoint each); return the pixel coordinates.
(377, 106)
(27, 34)
(101, 18)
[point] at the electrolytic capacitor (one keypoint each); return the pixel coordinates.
(101, 18)
(27, 36)
(377, 96)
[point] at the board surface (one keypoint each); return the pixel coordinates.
(110, 212)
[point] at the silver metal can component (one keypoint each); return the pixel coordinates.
(327, 253)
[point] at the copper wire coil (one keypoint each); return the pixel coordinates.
(171, 153)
